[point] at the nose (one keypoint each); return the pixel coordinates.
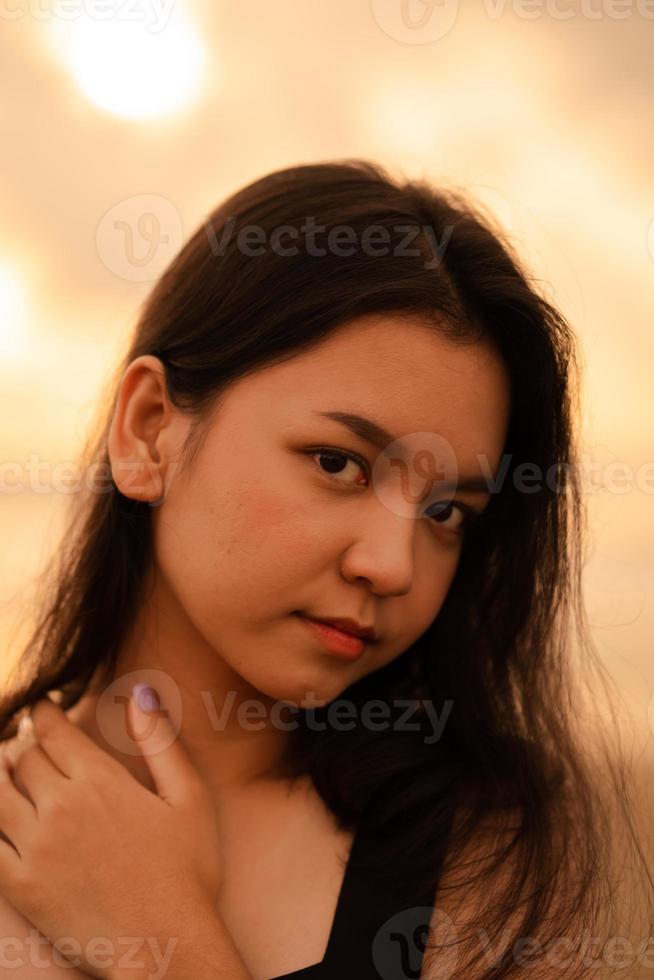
(383, 553)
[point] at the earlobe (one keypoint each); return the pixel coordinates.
(135, 479)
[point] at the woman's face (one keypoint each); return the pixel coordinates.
(262, 526)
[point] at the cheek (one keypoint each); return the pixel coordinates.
(247, 539)
(282, 529)
(264, 512)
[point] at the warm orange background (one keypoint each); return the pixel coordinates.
(545, 118)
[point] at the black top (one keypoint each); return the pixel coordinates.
(375, 933)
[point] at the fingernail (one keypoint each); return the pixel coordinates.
(146, 697)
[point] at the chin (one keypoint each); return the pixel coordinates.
(304, 691)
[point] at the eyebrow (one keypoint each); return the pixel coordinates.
(375, 434)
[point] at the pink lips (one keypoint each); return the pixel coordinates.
(337, 642)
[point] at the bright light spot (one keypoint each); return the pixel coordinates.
(138, 68)
(404, 117)
(443, 116)
(13, 338)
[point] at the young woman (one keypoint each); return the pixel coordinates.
(344, 400)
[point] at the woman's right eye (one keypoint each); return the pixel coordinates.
(335, 461)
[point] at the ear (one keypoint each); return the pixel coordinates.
(138, 442)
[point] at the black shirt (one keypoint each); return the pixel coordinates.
(376, 933)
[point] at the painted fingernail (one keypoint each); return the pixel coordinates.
(146, 697)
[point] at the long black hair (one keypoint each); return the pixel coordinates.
(500, 650)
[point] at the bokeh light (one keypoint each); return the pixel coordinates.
(14, 343)
(138, 111)
(135, 68)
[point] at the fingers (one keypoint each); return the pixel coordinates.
(77, 756)
(174, 774)
(68, 747)
(35, 772)
(17, 814)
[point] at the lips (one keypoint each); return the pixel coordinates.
(335, 641)
(346, 625)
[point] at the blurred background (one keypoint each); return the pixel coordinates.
(123, 123)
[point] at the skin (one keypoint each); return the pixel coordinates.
(255, 530)
(70, 784)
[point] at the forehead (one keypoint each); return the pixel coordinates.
(398, 372)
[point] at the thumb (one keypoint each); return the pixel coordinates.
(152, 729)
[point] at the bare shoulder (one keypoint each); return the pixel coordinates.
(25, 950)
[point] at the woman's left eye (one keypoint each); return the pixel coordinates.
(444, 507)
(440, 512)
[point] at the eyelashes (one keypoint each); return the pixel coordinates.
(468, 514)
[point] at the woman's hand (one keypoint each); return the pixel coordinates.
(97, 856)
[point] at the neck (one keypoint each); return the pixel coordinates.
(231, 743)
